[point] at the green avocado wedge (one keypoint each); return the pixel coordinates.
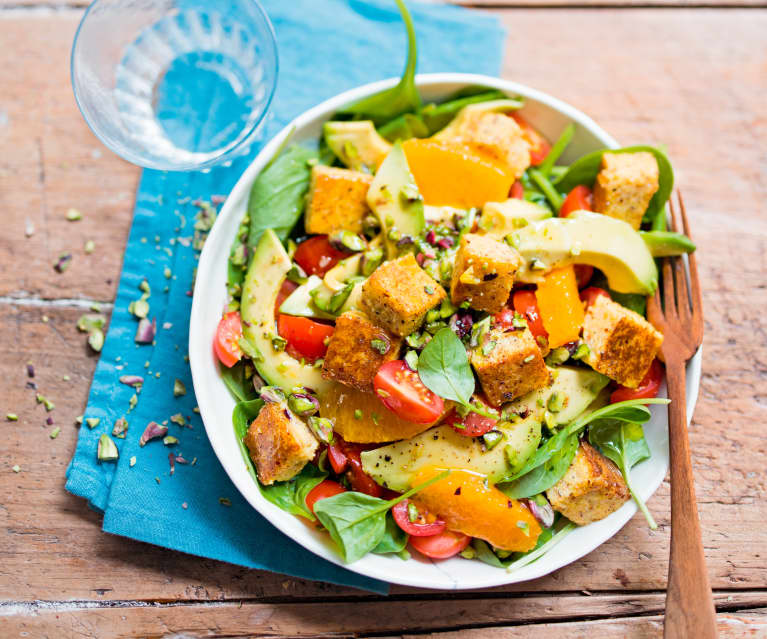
(395, 465)
(606, 243)
(356, 143)
(265, 275)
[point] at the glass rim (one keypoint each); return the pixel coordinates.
(136, 159)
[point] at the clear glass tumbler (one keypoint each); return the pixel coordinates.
(175, 84)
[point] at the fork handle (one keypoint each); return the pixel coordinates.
(689, 605)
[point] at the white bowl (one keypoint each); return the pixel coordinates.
(550, 116)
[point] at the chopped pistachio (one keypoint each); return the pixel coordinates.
(524, 527)
(550, 421)
(357, 413)
(224, 501)
(170, 440)
(179, 390)
(54, 433)
(79, 420)
(582, 351)
(120, 428)
(45, 319)
(139, 308)
(16, 468)
(537, 265)
(196, 409)
(381, 345)
(89, 247)
(519, 222)
(411, 359)
(12, 417)
(92, 422)
(65, 378)
(132, 402)
(49, 405)
(96, 339)
(278, 343)
(144, 287)
(468, 553)
(73, 215)
(133, 461)
(178, 418)
(90, 322)
(167, 273)
(492, 438)
(556, 402)
(528, 359)
(107, 451)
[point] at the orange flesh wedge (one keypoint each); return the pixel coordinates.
(376, 423)
(452, 174)
(560, 306)
(468, 505)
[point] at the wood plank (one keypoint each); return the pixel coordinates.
(622, 4)
(51, 545)
(351, 618)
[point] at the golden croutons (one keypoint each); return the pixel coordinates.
(356, 351)
(622, 343)
(590, 490)
(625, 185)
(495, 134)
(483, 273)
(279, 443)
(509, 364)
(337, 200)
(398, 295)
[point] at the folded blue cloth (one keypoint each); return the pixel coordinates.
(324, 48)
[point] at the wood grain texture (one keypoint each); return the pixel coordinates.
(671, 76)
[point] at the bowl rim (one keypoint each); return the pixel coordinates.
(199, 354)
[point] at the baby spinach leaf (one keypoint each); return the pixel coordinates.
(236, 382)
(357, 522)
(548, 538)
(291, 495)
(624, 444)
(244, 413)
(443, 367)
(402, 98)
(541, 549)
(485, 554)
(394, 539)
(632, 301)
(585, 169)
(278, 193)
(545, 475)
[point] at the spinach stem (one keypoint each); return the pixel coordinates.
(556, 151)
(552, 195)
(639, 501)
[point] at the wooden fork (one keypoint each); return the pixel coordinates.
(690, 609)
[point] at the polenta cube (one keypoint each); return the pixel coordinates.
(509, 364)
(398, 295)
(483, 273)
(280, 444)
(625, 185)
(356, 351)
(493, 133)
(590, 490)
(337, 200)
(622, 343)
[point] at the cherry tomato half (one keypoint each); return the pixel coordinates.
(517, 191)
(337, 457)
(583, 274)
(579, 199)
(473, 425)
(326, 488)
(317, 256)
(284, 293)
(227, 341)
(402, 392)
(306, 338)
(590, 294)
(525, 303)
(647, 388)
(358, 478)
(539, 146)
(420, 526)
(442, 546)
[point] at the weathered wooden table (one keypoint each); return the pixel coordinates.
(694, 79)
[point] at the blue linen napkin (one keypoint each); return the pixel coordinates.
(324, 48)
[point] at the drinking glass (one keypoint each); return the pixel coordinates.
(175, 84)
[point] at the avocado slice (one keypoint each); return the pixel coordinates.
(262, 283)
(667, 243)
(357, 144)
(394, 465)
(606, 243)
(498, 219)
(394, 198)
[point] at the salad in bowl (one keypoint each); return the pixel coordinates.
(435, 333)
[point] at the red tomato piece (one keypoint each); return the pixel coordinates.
(579, 199)
(590, 294)
(473, 425)
(539, 146)
(317, 255)
(326, 488)
(306, 338)
(442, 546)
(227, 341)
(583, 274)
(337, 457)
(284, 293)
(525, 303)
(647, 388)
(402, 392)
(420, 526)
(358, 478)
(517, 191)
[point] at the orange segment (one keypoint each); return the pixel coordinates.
(468, 505)
(561, 308)
(451, 174)
(375, 424)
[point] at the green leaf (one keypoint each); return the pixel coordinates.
(394, 539)
(443, 367)
(277, 196)
(667, 243)
(546, 474)
(242, 415)
(402, 98)
(237, 383)
(290, 495)
(548, 538)
(585, 169)
(556, 151)
(624, 444)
